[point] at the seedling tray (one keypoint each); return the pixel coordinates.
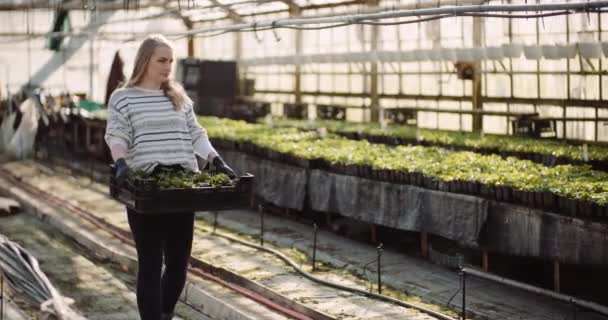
(148, 199)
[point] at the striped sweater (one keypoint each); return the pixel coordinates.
(144, 123)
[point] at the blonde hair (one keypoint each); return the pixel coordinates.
(173, 90)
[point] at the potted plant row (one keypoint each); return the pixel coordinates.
(430, 167)
(547, 152)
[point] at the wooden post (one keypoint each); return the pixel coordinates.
(76, 147)
(424, 244)
(478, 26)
(374, 94)
(484, 261)
(190, 47)
(556, 277)
(252, 201)
(189, 25)
(87, 139)
(295, 11)
(373, 233)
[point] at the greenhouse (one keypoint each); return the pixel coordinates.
(303, 159)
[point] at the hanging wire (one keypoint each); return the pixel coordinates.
(587, 7)
(257, 36)
(394, 23)
(463, 10)
(316, 28)
(274, 31)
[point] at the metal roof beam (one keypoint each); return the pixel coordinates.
(231, 13)
(78, 5)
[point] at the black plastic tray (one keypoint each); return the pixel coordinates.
(153, 201)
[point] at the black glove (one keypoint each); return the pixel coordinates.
(120, 171)
(221, 166)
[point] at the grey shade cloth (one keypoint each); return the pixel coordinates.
(471, 221)
(535, 233)
(453, 216)
(279, 184)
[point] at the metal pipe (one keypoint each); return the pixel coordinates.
(214, 221)
(455, 10)
(558, 296)
(355, 18)
(419, 4)
(92, 60)
(379, 268)
(463, 283)
(314, 247)
(1, 296)
(261, 210)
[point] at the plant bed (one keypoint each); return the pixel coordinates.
(601, 212)
(549, 200)
(487, 192)
(472, 188)
(567, 206)
(585, 208)
(547, 152)
(493, 177)
(505, 194)
(453, 186)
(429, 182)
(443, 186)
(151, 195)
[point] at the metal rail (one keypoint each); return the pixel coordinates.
(464, 271)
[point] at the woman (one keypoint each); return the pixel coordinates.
(151, 125)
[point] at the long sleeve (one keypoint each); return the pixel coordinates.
(119, 132)
(200, 140)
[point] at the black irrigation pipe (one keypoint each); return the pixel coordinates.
(332, 284)
(464, 271)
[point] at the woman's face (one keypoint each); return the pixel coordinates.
(159, 67)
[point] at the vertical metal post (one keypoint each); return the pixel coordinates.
(261, 210)
(485, 261)
(380, 268)
(92, 59)
(314, 247)
(1, 296)
(424, 244)
(214, 221)
(601, 93)
(463, 283)
(556, 277)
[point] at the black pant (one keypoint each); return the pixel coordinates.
(157, 236)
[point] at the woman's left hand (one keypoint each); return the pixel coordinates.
(221, 166)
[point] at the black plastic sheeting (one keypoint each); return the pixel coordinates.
(279, 184)
(534, 233)
(471, 221)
